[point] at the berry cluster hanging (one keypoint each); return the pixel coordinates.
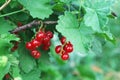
(64, 49)
(41, 38)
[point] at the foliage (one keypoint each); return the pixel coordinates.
(92, 26)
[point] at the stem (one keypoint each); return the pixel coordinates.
(32, 24)
(11, 13)
(5, 4)
(62, 48)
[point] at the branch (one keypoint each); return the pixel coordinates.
(5, 4)
(30, 25)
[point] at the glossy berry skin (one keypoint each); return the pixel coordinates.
(58, 49)
(68, 48)
(40, 35)
(36, 54)
(65, 56)
(49, 34)
(46, 39)
(63, 40)
(35, 43)
(29, 46)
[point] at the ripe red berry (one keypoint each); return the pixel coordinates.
(29, 46)
(65, 56)
(35, 43)
(36, 54)
(46, 39)
(49, 34)
(63, 40)
(47, 44)
(68, 48)
(40, 35)
(45, 47)
(58, 48)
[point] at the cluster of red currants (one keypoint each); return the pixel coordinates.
(41, 38)
(64, 49)
(15, 43)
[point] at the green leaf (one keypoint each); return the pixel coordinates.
(32, 75)
(27, 63)
(96, 13)
(39, 8)
(86, 71)
(3, 61)
(91, 20)
(16, 73)
(5, 44)
(9, 37)
(96, 47)
(5, 26)
(13, 59)
(69, 27)
(4, 66)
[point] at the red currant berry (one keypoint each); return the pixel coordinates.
(68, 48)
(35, 43)
(58, 48)
(69, 43)
(29, 46)
(65, 56)
(36, 54)
(14, 48)
(47, 44)
(7, 76)
(46, 39)
(40, 35)
(49, 34)
(19, 24)
(63, 40)
(45, 48)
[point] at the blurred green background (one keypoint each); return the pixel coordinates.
(102, 65)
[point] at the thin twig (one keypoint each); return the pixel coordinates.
(5, 4)
(11, 13)
(31, 24)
